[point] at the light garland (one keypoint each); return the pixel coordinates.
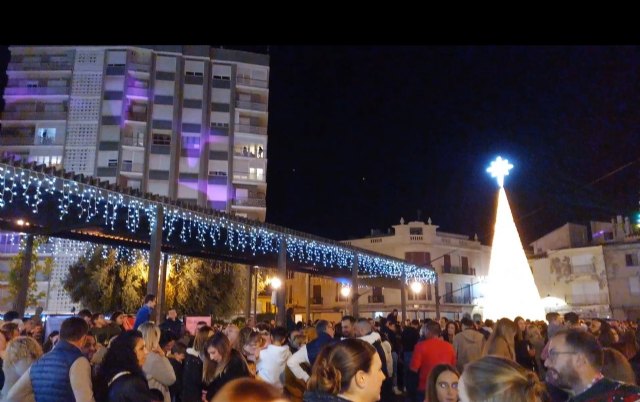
(111, 209)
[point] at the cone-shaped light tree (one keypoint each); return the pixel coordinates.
(511, 290)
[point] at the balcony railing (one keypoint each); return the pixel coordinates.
(31, 66)
(457, 299)
(250, 202)
(458, 270)
(16, 139)
(248, 176)
(139, 67)
(376, 299)
(137, 91)
(601, 298)
(131, 167)
(36, 91)
(134, 141)
(9, 115)
(316, 300)
(252, 82)
(136, 116)
(246, 128)
(257, 106)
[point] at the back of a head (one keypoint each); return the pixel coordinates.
(148, 298)
(10, 316)
(505, 327)
(279, 334)
(120, 356)
(321, 326)
(467, 322)
(22, 348)
(617, 367)
(552, 316)
(496, 379)
(203, 334)
(363, 327)
(73, 329)
(572, 318)
(432, 329)
(337, 364)
(247, 390)
(150, 334)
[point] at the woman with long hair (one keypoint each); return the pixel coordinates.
(192, 373)
(120, 377)
(20, 353)
(222, 364)
(442, 384)
(525, 351)
(496, 379)
(348, 370)
(501, 341)
(450, 330)
(157, 367)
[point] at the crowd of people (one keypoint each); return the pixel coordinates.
(356, 359)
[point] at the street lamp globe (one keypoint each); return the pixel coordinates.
(276, 282)
(416, 287)
(345, 291)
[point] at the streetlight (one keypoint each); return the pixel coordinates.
(276, 283)
(416, 287)
(345, 291)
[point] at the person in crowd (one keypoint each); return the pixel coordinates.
(157, 367)
(575, 363)
(176, 358)
(393, 316)
(537, 341)
(86, 315)
(291, 320)
(120, 377)
(63, 374)
(572, 320)
(20, 354)
(172, 324)
(450, 331)
(167, 340)
(233, 334)
(525, 352)
(409, 338)
(117, 318)
(222, 364)
(248, 390)
(603, 332)
(89, 350)
(273, 359)
(144, 314)
(615, 366)
(252, 344)
(348, 322)
(348, 370)
(501, 341)
(308, 353)
(51, 341)
(442, 384)
(487, 328)
(467, 344)
(192, 373)
(497, 379)
(429, 353)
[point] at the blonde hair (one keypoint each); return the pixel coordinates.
(151, 335)
(496, 379)
(247, 389)
(21, 348)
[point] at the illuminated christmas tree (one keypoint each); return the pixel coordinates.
(511, 290)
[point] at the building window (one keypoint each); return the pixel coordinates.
(46, 136)
(161, 139)
(194, 73)
(112, 163)
(317, 294)
(632, 260)
(448, 292)
(415, 231)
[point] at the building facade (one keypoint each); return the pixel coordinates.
(460, 263)
(184, 122)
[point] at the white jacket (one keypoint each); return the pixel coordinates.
(271, 363)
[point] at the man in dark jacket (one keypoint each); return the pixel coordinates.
(172, 324)
(63, 374)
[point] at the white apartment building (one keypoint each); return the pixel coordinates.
(184, 122)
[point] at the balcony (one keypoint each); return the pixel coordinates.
(133, 141)
(41, 66)
(250, 202)
(376, 299)
(29, 115)
(246, 128)
(16, 139)
(457, 299)
(137, 91)
(36, 91)
(458, 270)
(136, 116)
(248, 176)
(145, 68)
(316, 300)
(601, 298)
(257, 106)
(128, 166)
(252, 82)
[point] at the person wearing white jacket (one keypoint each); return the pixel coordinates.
(273, 359)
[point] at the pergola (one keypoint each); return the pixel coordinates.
(40, 200)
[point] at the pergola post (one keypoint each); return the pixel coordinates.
(308, 297)
(154, 252)
(403, 295)
(354, 288)
(247, 300)
(162, 290)
(25, 270)
(282, 292)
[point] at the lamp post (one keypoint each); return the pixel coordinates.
(275, 285)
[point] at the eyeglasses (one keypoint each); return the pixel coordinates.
(554, 354)
(446, 385)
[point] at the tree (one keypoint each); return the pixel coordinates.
(39, 268)
(107, 280)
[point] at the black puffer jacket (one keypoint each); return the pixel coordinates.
(316, 396)
(129, 388)
(192, 379)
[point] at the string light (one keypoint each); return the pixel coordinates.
(108, 209)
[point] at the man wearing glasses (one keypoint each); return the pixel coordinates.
(574, 363)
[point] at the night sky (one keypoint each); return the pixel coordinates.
(361, 136)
